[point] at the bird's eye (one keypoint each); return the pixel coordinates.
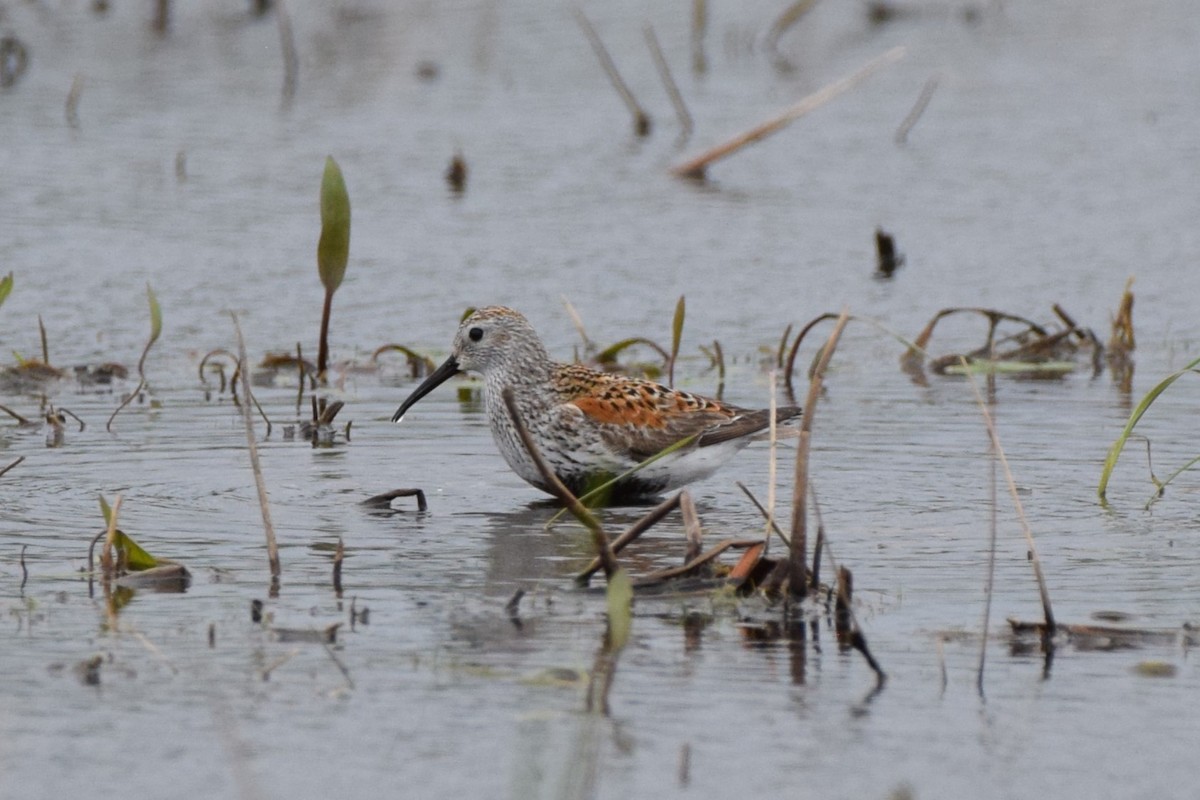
(476, 334)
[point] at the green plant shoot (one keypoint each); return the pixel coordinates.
(619, 595)
(155, 332)
(333, 248)
(1114, 452)
(136, 558)
(155, 318)
(676, 338)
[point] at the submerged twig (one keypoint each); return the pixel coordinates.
(337, 661)
(21, 421)
(695, 167)
(917, 110)
(385, 500)
(11, 465)
(853, 637)
(641, 120)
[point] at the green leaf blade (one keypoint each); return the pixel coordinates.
(6, 285)
(1114, 452)
(677, 326)
(333, 248)
(155, 316)
(136, 559)
(619, 596)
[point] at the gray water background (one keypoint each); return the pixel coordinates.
(1058, 157)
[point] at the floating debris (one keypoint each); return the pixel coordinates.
(888, 259)
(1033, 351)
(456, 174)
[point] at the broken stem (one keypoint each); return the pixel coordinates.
(664, 72)
(1012, 490)
(255, 465)
(798, 569)
(641, 120)
(695, 166)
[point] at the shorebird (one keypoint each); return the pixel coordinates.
(591, 426)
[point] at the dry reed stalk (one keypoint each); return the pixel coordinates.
(917, 110)
(1012, 490)
(1122, 338)
(843, 621)
(287, 42)
(110, 539)
(991, 570)
(162, 16)
(641, 120)
(771, 464)
(337, 662)
(798, 569)
(664, 73)
(260, 484)
(699, 28)
(790, 16)
(72, 107)
(652, 517)
(693, 533)
(577, 509)
(696, 166)
(789, 363)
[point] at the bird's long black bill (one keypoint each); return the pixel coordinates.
(447, 370)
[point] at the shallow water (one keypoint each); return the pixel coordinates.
(1057, 158)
